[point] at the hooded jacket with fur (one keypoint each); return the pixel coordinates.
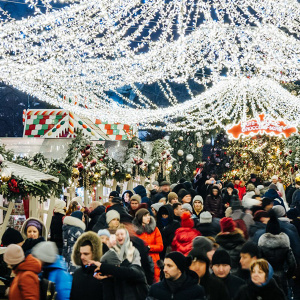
(151, 235)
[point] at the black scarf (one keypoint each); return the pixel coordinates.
(175, 285)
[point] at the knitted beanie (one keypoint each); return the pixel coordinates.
(279, 211)
(250, 248)
(230, 185)
(104, 232)
(273, 225)
(186, 220)
(112, 214)
(221, 257)
(59, 206)
(114, 194)
(137, 198)
(46, 252)
(172, 196)
(198, 198)
(77, 214)
(205, 217)
(179, 259)
(203, 243)
(188, 207)
(117, 200)
(260, 214)
(227, 225)
(34, 223)
(140, 213)
(11, 236)
(273, 186)
(13, 255)
(157, 206)
(182, 193)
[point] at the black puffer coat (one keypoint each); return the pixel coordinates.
(277, 251)
(232, 243)
(270, 291)
(56, 232)
(94, 215)
(189, 290)
(214, 204)
(167, 231)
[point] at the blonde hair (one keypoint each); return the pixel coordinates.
(262, 264)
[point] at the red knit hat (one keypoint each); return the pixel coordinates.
(186, 220)
(227, 225)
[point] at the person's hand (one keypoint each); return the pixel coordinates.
(99, 276)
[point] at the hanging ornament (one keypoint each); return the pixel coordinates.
(127, 177)
(5, 175)
(112, 173)
(117, 170)
(180, 138)
(189, 158)
(96, 176)
(80, 167)
(129, 170)
(103, 172)
(75, 173)
(199, 145)
(156, 165)
(93, 162)
(194, 172)
(180, 152)
(208, 141)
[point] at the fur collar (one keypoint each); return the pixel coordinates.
(96, 243)
(72, 221)
(139, 229)
(274, 241)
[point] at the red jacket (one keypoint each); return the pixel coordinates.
(184, 235)
(242, 190)
(152, 238)
(26, 284)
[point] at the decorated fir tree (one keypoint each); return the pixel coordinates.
(187, 154)
(262, 155)
(292, 152)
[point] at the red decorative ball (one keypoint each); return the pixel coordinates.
(290, 151)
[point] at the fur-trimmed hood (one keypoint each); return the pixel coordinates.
(139, 228)
(269, 240)
(72, 221)
(96, 243)
(44, 230)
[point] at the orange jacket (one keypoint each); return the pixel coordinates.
(26, 284)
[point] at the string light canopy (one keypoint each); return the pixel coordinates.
(91, 48)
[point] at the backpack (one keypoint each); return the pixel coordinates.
(47, 290)
(240, 223)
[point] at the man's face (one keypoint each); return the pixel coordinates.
(156, 187)
(199, 267)
(134, 205)
(170, 269)
(110, 198)
(221, 270)
(114, 223)
(86, 254)
(165, 188)
(229, 190)
(178, 211)
(253, 179)
(198, 205)
(264, 220)
(246, 260)
(237, 182)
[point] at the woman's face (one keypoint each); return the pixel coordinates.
(187, 199)
(32, 232)
(215, 192)
(258, 276)
(121, 236)
(126, 197)
(146, 219)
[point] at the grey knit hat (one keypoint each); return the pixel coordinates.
(46, 252)
(157, 206)
(203, 243)
(188, 207)
(205, 217)
(112, 214)
(136, 197)
(198, 198)
(13, 255)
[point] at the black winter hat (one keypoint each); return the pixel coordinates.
(293, 213)
(114, 194)
(182, 193)
(266, 201)
(221, 257)
(230, 185)
(273, 225)
(250, 248)
(199, 254)
(11, 236)
(180, 260)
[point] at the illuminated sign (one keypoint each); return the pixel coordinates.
(260, 126)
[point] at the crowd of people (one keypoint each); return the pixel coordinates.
(204, 239)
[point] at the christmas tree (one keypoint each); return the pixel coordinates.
(262, 155)
(292, 153)
(217, 162)
(187, 154)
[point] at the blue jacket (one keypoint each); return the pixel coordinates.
(57, 273)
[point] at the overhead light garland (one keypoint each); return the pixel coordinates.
(91, 48)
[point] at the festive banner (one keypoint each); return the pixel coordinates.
(260, 126)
